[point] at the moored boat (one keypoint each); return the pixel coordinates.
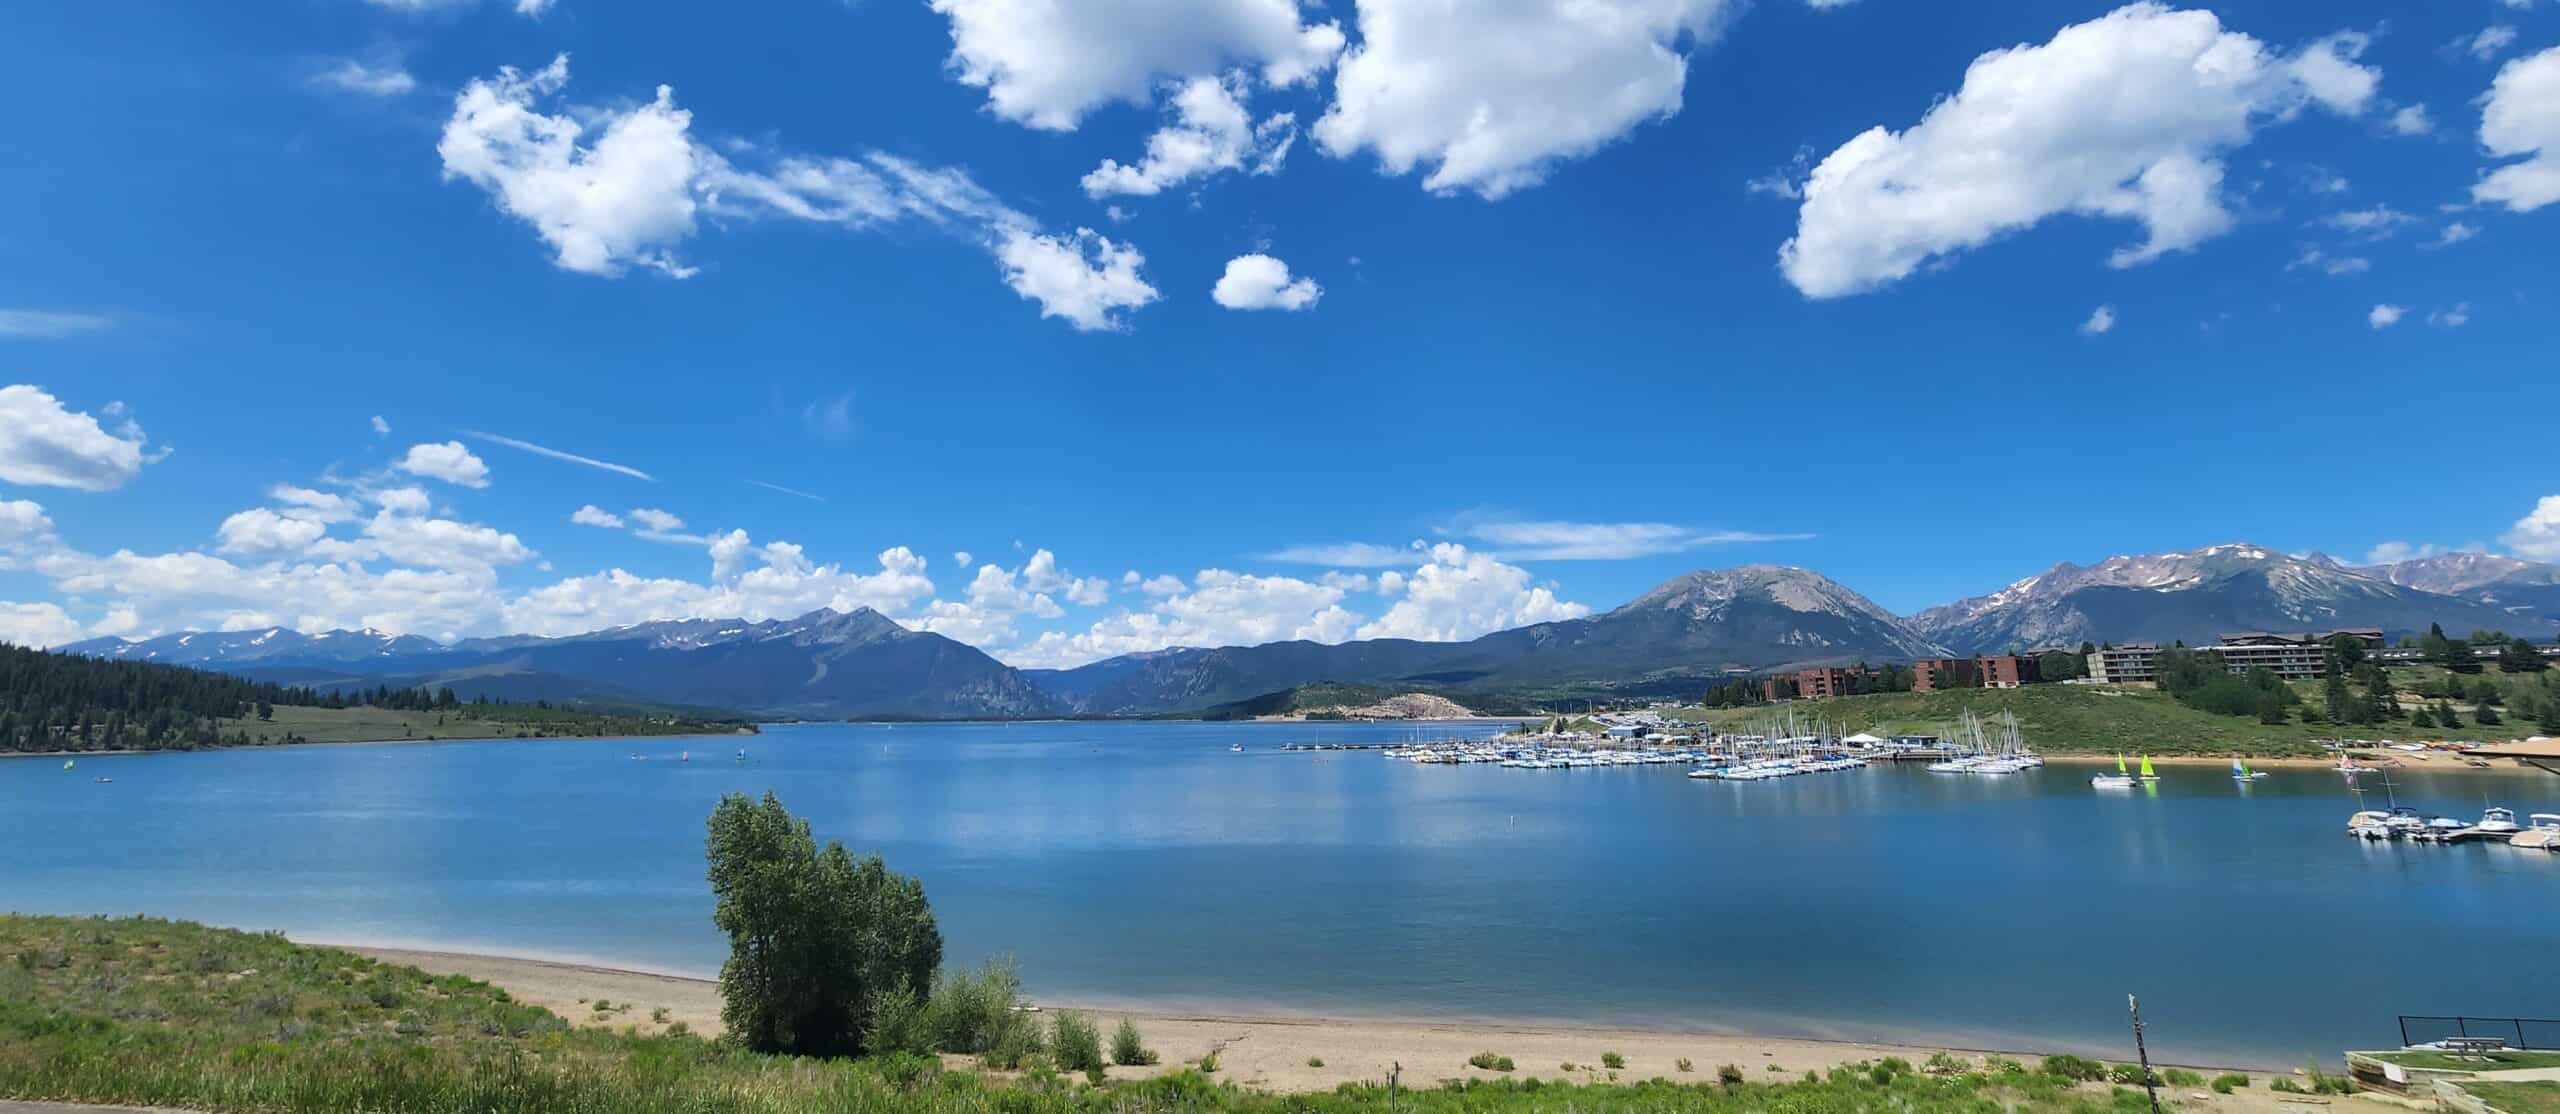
(2543, 835)
(2498, 821)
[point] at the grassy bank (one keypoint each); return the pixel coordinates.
(167, 1013)
(469, 721)
(2069, 719)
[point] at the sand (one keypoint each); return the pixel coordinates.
(1266, 1053)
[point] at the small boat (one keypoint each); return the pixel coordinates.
(2544, 834)
(2370, 824)
(2148, 774)
(2240, 771)
(68, 763)
(102, 780)
(2349, 766)
(684, 756)
(2498, 821)
(2121, 779)
(742, 754)
(1235, 748)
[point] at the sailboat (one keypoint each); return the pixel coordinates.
(2240, 771)
(2148, 775)
(2121, 779)
(68, 763)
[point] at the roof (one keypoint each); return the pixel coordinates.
(2535, 747)
(1862, 737)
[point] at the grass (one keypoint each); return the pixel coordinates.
(1490, 1062)
(162, 1013)
(2433, 1060)
(2518, 1098)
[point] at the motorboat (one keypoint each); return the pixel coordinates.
(2121, 779)
(2543, 835)
(2498, 821)
(2370, 824)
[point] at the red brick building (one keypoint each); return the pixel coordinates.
(2003, 671)
(1811, 684)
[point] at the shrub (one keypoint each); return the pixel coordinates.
(1014, 1045)
(1128, 1052)
(1941, 1063)
(1612, 1061)
(815, 936)
(1074, 1042)
(2129, 1075)
(2226, 1082)
(973, 1011)
(1490, 1062)
(1315, 1061)
(2003, 1065)
(2078, 1069)
(1567, 1066)
(1681, 1064)
(1093, 1073)
(2285, 1084)
(898, 1024)
(1209, 1064)
(2181, 1077)
(1730, 1075)
(658, 1015)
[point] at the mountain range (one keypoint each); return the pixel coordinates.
(830, 664)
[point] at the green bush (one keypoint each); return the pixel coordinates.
(1315, 1061)
(1490, 1062)
(1612, 1061)
(2181, 1077)
(1941, 1063)
(1682, 1064)
(1731, 1075)
(2226, 1082)
(2285, 1085)
(1209, 1063)
(972, 1012)
(2078, 1069)
(1128, 1052)
(1074, 1042)
(899, 1023)
(2129, 1075)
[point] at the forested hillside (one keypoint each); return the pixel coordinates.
(67, 702)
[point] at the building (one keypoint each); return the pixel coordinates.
(2002, 671)
(1811, 684)
(2130, 664)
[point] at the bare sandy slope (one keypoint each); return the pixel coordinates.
(1277, 1054)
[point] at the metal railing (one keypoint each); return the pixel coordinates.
(2517, 1032)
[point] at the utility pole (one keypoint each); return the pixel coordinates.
(2143, 1054)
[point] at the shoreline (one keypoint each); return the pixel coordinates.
(1272, 1052)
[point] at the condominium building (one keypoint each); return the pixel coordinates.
(2131, 663)
(2003, 671)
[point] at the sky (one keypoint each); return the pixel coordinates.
(1071, 330)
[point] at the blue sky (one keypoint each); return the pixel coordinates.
(1583, 303)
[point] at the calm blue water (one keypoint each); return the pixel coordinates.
(1144, 863)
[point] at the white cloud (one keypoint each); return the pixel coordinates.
(775, 580)
(621, 197)
(1084, 278)
(1460, 595)
(962, 558)
(1492, 101)
(2125, 116)
(1354, 554)
(445, 460)
(2522, 119)
(43, 443)
(1259, 281)
(433, 543)
(2317, 259)
(26, 533)
(532, 8)
(313, 506)
(2412, 120)
(2101, 321)
(1160, 586)
(259, 532)
(2454, 318)
(2385, 316)
(593, 515)
(2392, 553)
(380, 426)
(1211, 133)
(2489, 43)
(36, 625)
(400, 500)
(1550, 540)
(2374, 223)
(38, 324)
(2537, 535)
(654, 520)
(2453, 233)
(1046, 64)
(1220, 608)
(352, 76)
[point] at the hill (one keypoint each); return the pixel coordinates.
(1339, 701)
(64, 702)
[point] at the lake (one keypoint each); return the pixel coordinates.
(1145, 864)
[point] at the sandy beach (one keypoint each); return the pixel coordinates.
(1268, 1053)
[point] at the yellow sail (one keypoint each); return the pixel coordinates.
(2146, 766)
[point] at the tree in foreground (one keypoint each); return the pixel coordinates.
(817, 938)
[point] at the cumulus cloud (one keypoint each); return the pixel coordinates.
(1460, 595)
(36, 625)
(2411, 120)
(260, 532)
(1210, 133)
(1218, 608)
(45, 444)
(2385, 316)
(1085, 278)
(2537, 535)
(445, 460)
(1490, 102)
(2101, 321)
(313, 506)
(2125, 116)
(593, 515)
(1259, 281)
(380, 426)
(1046, 64)
(2521, 120)
(610, 189)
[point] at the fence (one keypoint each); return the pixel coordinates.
(2517, 1032)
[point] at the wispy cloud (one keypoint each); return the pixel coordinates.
(1357, 555)
(1549, 540)
(48, 324)
(555, 454)
(789, 491)
(831, 418)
